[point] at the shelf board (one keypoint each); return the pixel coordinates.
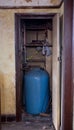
(35, 45)
(38, 28)
(26, 68)
(36, 60)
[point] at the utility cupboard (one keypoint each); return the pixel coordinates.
(14, 32)
(39, 46)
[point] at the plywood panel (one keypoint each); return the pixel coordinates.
(32, 53)
(30, 35)
(56, 74)
(49, 58)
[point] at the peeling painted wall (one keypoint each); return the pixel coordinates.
(55, 2)
(7, 56)
(29, 2)
(7, 63)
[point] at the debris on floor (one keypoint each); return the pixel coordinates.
(31, 122)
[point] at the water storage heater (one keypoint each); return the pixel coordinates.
(36, 91)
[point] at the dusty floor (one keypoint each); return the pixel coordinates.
(30, 123)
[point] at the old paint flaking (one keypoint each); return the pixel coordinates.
(29, 2)
(7, 56)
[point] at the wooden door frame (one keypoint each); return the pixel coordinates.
(68, 63)
(18, 17)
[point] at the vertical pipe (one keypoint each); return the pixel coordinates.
(67, 90)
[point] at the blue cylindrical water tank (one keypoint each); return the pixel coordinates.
(36, 90)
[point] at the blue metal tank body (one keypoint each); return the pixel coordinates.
(36, 91)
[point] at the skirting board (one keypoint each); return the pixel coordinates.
(8, 118)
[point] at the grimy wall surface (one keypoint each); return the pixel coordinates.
(29, 2)
(7, 56)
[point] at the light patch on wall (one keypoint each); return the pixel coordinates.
(29, 2)
(7, 93)
(55, 2)
(7, 64)
(2, 90)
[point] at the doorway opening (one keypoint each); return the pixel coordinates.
(37, 47)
